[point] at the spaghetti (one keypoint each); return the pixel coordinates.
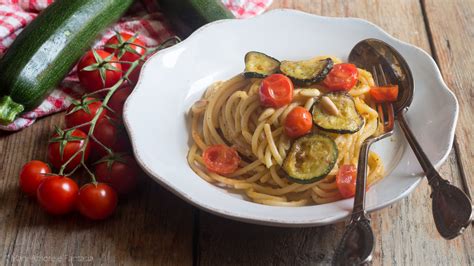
(230, 113)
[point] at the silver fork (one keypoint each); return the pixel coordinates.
(357, 243)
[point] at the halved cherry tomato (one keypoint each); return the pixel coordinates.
(63, 145)
(221, 159)
(31, 176)
(126, 47)
(342, 77)
(98, 69)
(96, 201)
(384, 93)
(346, 180)
(57, 194)
(298, 122)
(276, 91)
(83, 111)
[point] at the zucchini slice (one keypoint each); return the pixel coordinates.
(260, 65)
(347, 121)
(306, 71)
(310, 159)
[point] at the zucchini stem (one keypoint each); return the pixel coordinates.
(9, 110)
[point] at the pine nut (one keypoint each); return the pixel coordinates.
(329, 106)
(310, 92)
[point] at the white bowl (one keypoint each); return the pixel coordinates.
(156, 112)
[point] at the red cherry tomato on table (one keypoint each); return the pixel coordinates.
(276, 91)
(342, 77)
(221, 159)
(64, 145)
(346, 180)
(83, 111)
(121, 172)
(384, 93)
(57, 194)
(127, 48)
(31, 176)
(96, 71)
(96, 201)
(298, 122)
(113, 135)
(118, 100)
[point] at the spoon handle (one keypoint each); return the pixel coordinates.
(452, 208)
(431, 173)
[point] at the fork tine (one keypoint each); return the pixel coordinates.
(386, 117)
(389, 122)
(374, 75)
(380, 112)
(382, 74)
(391, 118)
(379, 108)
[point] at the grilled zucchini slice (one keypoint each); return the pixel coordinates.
(310, 159)
(260, 65)
(347, 121)
(307, 71)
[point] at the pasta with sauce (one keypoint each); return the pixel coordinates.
(230, 113)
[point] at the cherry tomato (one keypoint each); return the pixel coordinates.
(342, 77)
(127, 48)
(298, 122)
(135, 75)
(112, 134)
(96, 201)
(276, 91)
(346, 180)
(57, 194)
(31, 176)
(83, 111)
(221, 159)
(63, 145)
(120, 171)
(384, 93)
(96, 71)
(118, 100)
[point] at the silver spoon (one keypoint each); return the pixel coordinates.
(452, 208)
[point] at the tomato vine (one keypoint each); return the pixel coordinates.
(104, 106)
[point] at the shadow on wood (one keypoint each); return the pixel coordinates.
(226, 242)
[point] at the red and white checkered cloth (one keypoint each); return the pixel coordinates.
(143, 18)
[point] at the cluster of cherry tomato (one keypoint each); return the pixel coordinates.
(115, 172)
(277, 91)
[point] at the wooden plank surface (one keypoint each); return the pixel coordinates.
(151, 228)
(405, 232)
(452, 41)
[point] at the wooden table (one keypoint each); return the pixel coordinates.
(157, 228)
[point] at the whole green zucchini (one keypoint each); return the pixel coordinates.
(47, 49)
(187, 15)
